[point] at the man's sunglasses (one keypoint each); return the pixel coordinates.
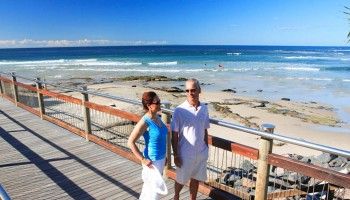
(191, 90)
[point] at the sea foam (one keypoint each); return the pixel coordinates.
(162, 63)
(234, 53)
(300, 68)
(71, 62)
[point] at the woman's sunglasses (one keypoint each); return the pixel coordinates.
(156, 103)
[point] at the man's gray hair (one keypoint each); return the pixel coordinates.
(196, 82)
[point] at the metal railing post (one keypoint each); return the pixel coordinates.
(166, 120)
(1, 87)
(14, 87)
(86, 113)
(40, 97)
(263, 171)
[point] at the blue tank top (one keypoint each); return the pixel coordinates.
(155, 139)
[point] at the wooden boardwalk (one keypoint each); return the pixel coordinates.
(39, 160)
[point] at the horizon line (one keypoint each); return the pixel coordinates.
(142, 45)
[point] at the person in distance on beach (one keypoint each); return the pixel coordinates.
(190, 140)
(154, 132)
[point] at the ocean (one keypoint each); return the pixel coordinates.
(320, 74)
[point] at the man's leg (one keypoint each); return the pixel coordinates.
(178, 188)
(193, 188)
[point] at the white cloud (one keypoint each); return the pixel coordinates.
(72, 43)
(7, 42)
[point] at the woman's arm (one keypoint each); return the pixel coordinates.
(139, 129)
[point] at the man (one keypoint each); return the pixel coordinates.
(190, 140)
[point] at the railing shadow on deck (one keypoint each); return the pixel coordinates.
(55, 175)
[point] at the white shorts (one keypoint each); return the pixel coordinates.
(195, 168)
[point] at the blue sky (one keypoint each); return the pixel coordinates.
(121, 22)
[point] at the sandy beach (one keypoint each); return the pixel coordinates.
(310, 121)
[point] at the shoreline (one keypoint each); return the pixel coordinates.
(310, 121)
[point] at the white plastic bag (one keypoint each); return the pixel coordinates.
(154, 185)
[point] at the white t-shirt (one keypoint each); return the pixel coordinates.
(190, 124)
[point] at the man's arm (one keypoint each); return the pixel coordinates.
(174, 144)
(206, 136)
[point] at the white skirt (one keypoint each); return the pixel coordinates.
(153, 183)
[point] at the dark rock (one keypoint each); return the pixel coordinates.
(261, 105)
(298, 178)
(174, 90)
(306, 160)
(277, 171)
(233, 178)
(338, 162)
(345, 169)
(229, 90)
(206, 83)
(316, 195)
(285, 99)
(239, 171)
(169, 89)
(326, 157)
(247, 166)
(260, 90)
(295, 156)
(150, 78)
(270, 189)
(252, 192)
(229, 170)
(225, 177)
(112, 105)
(133, 86)
(238, 183)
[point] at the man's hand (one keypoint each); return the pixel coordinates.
(178, 161)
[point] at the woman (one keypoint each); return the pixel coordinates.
(154, 132)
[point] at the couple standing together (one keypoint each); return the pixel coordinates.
(189, 126)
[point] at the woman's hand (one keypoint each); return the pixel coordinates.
(147, 162)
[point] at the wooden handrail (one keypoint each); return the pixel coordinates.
(233, 147)
(313, 171)
(62, 97)
(113, 111)
(26, 86)
(5, 79)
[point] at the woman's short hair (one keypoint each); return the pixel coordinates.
(147, 99)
